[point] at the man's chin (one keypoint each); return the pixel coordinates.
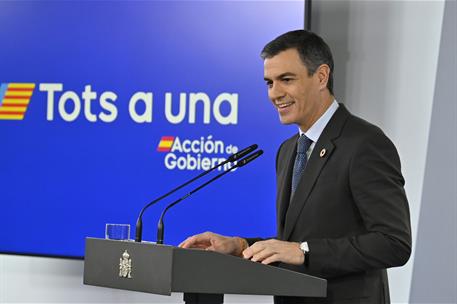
(285, 120)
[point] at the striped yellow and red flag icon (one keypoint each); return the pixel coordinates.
(165, 144)
(14, 100)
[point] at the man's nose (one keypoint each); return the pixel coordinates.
(275, 92)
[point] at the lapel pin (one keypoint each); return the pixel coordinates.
(323, 151)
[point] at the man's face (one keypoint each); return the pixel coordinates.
(294, 94)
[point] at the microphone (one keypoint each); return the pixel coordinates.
(232, 158)
(241, 163)
(242, 153)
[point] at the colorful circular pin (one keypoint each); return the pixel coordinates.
(323, 151)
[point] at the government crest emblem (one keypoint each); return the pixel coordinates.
(125, 266)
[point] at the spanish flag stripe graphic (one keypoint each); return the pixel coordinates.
(21, 86)
(15, 102)
(12, 105)
(166, 143)
(13, 109)
(19, 90)
(15, 97)
(165, 146)
(160, 149)
(167, 138)
(12, 117)
(10, 93)
(11, 113)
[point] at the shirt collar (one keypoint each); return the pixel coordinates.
(318, 127)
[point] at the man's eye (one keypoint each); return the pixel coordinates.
(269, 84)
(287, 80)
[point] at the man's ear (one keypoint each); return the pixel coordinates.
(323, 74)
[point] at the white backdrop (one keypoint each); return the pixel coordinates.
(386, 55)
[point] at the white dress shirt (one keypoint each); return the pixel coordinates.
(314, 133)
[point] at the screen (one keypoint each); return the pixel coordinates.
(107, 105)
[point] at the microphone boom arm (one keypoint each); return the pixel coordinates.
(234, 157)
(241, 163)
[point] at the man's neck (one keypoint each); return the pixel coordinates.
(325, 104)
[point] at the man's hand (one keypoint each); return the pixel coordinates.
(271, 251)
(216, 242)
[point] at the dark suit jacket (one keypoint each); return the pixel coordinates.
(351, 208)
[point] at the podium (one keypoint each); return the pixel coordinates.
(203, 276)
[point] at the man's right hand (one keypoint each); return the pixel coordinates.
(216, 242)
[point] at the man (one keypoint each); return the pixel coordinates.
(342, 213)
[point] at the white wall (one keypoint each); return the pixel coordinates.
(386, 55)
(50, 280)
(386, 58)
(435, 280)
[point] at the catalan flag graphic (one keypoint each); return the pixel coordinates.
(165, 144)
(14, 100)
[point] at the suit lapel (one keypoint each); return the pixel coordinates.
(315, 165)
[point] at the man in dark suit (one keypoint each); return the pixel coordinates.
(342, 213)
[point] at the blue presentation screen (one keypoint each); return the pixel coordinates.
(106, 105)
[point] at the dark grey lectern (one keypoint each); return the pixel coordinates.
(203, 276)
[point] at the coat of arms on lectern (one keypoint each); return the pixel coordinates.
(125, 266)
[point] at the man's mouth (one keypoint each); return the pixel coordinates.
(284, 105)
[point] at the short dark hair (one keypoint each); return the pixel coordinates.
(312, 49)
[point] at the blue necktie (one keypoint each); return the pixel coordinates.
(300, 161)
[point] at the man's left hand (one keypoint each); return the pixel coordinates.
(271, 251)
